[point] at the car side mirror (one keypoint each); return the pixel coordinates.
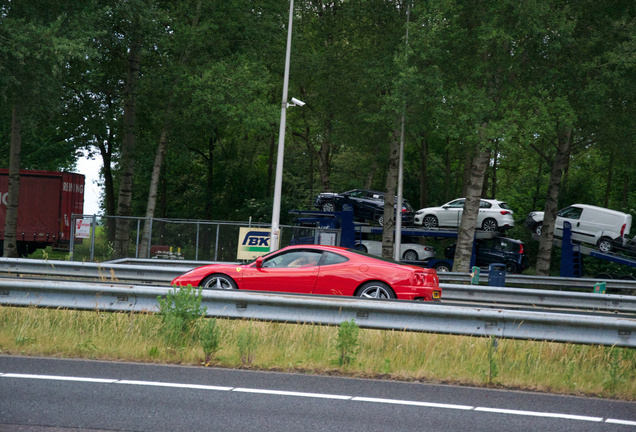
(445, 207)
(259, 262)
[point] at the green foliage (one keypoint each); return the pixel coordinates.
(103, 250)
(493, 369)
(505, 75)
(179, 311)
(347, 345)
(210, 339)
(247, 341)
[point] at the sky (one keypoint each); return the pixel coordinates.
(90, 168)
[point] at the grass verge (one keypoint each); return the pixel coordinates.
(306, 348)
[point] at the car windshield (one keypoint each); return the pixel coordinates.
(504, 205)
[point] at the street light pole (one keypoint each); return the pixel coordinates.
(281, 141)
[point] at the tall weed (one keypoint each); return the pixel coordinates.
(347, 342)
(179, 311)
(246, 343)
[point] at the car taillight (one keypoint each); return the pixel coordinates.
(504, 212)
(623, 230)
(418, 279)
(426, 278)
(521, 249)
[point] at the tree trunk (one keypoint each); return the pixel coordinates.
(535, 195)
(10, 249)
(493, 178)
(161, 152)
(467, 172)
(209, 189)
(424, 173)
(152, 193)
(447, 172)
(466, 230)
(109, 186)
(608, 185)
(552, 202)
(122, 231)
(389, 196)
(270, 165)
(368, 181)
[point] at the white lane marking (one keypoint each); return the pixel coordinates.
(321, 395)
(58, 378)
(540, 414)
(174, 385)
(289, 393)
(414, 403)
(621, 422)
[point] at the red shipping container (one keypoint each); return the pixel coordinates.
(47, 200)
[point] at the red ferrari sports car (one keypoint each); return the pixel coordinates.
(313, 269)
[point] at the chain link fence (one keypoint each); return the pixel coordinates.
(192, 240)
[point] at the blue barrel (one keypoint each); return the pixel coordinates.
(497, 275)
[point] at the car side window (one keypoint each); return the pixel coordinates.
(280, 260)
(304, 259)
(484, 204)
(297, 258)
(508, 246)
(487, 243)
(457, 203)
(571, 212)
(333, 258)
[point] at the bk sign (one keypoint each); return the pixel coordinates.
(253, 242)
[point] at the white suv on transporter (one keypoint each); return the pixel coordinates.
(493, 215)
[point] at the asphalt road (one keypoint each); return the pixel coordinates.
(45, 395)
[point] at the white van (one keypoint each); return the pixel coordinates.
(590, 224)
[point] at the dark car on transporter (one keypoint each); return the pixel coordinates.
(367, 205)
(497, 250)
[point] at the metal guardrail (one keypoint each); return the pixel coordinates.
(162, 273)
(389, 315)
(543, 281)
(101, 271)
(156, 270)
(447, 277)
(540, 298)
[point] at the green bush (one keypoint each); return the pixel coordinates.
(347, 342)
(246, 342)
(210, 340)
(179, 311)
